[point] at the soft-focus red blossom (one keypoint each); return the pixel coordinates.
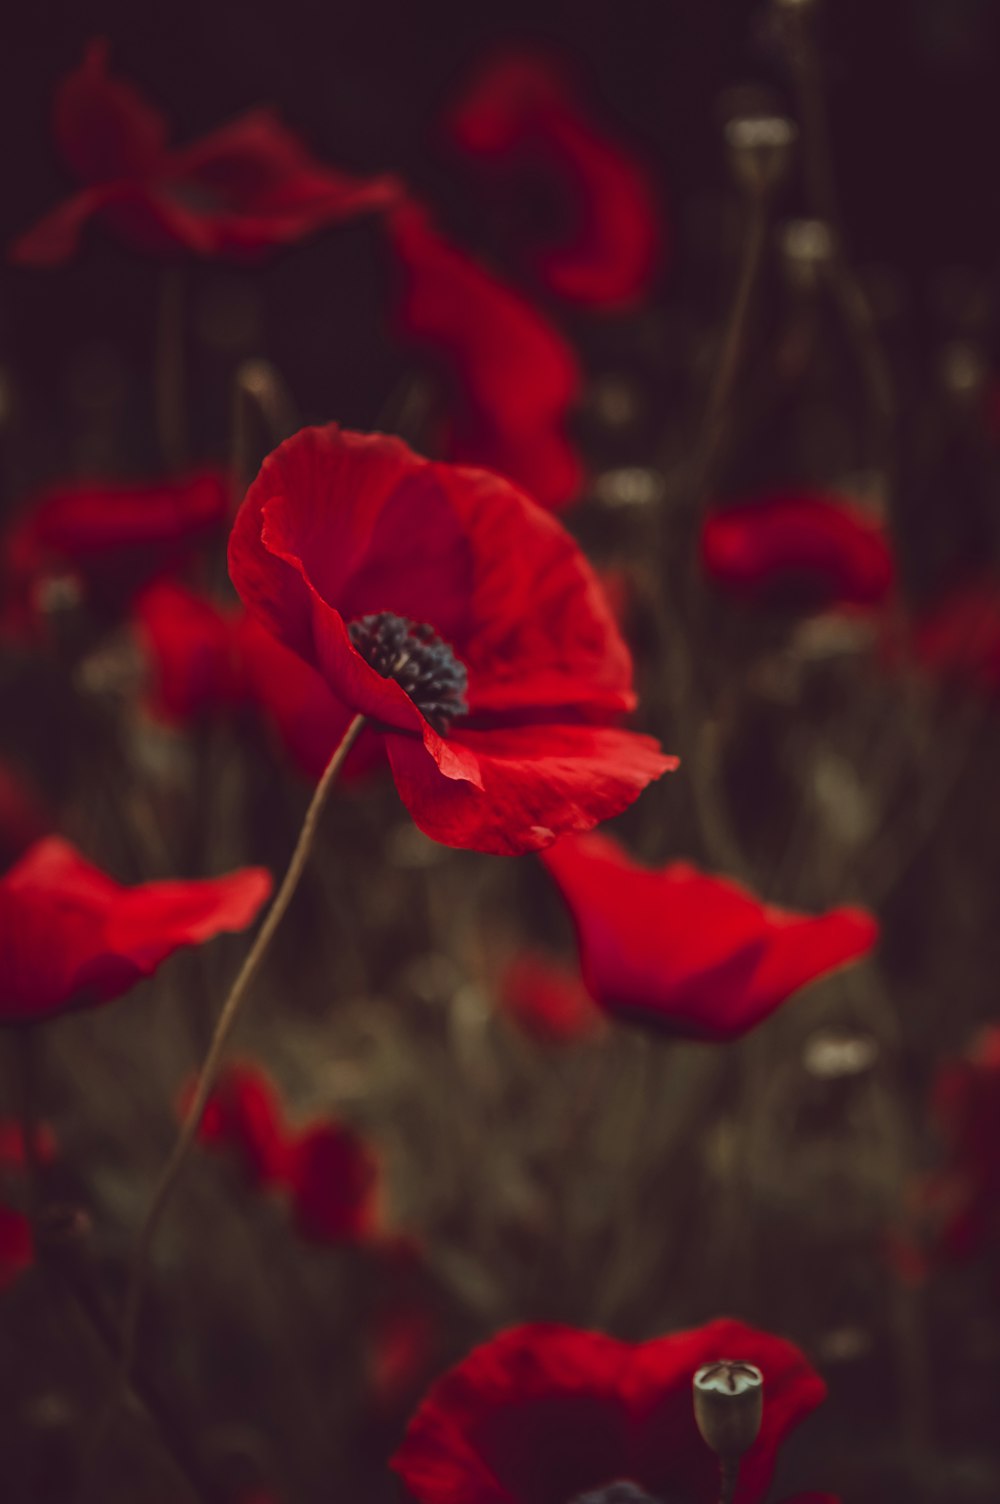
(697, 956)
(400, 1353)
(960, 1202)
(522, 117)
(71, 937)
(513, 377)
(12, 1154)
(548, 1000)
(547, 1414)
(462, 620)
(17, 1245)
(806, 550)
(959, 637)
(241, 191)
(23, 816)
(328, 1174)
(112, 537)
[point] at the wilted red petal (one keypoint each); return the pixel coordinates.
(17, 1247)
(514, 378)
(70, 936)
(692, 954)
(333, 1178)
(521, 114)
(548, 999)
(525, 785)
(543, 1414)
(806, 549)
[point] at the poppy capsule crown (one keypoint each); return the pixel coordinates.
(728, 1405)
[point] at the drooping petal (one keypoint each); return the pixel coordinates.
(688, 953)
(70, 936)
(806, 549)
(534, 783)
(514, 378)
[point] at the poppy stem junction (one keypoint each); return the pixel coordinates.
(210, 1066)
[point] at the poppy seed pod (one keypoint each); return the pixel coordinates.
(760, 150)
(728, 1406)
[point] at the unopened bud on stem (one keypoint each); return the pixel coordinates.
(728, 1408)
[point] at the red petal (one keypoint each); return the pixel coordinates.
(334, 1183)
(103, 126)
(959, 636)
(520, 114)
(17, 1247)
(548, 1000)
(515, 377)
(70, 936)
(192, 651)
(819, 550)
(244, 1114)
(536, 782)
(54, 239)
(695, 955)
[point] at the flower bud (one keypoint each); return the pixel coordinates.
(760, 150)
(728, 1406)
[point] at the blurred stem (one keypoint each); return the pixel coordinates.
(259, 393)
(729, 1472)
(169, 384)
(210, 1066)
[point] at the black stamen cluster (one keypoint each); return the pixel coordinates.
(413, 654)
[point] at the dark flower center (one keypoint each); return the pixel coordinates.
(413, 654)
(619, 1492)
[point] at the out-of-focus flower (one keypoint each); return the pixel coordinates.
(327, 1172)
(23, 816)
(694, 955)
(522, 116)
(112, 537)
(513, 377)
(240, 192)
(804, 550)
(959, 637)
(17, 1245)
(71, 937)
(548, 1000)
(550, 1415)
(462, 621)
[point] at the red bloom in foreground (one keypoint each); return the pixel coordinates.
(548, 1000)
(550, 1415)
(462, 620)
(112, 536)
(239, 192)
(521, 115)
(694, 955)
(328, 1173)
(71, 937)
(960, 636)
(806, 550)
(514, 378)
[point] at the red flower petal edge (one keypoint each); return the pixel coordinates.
(71, 937)
(802, 549)
(342, 529)
(543, 1414)
(513, 378)
(694, 955)
(242, 191)
(521, 116)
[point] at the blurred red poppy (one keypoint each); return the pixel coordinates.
(71, 937)
(328, 1173)
(548, 1415)
(693, 955)
(459, 618)
(522, 116)
(548, 1000)
(514, 379)
(240, 192)
(112, 537)
(17, 1245)
(798, 549)
(964, 1196)
(959, 636)
(23, 816)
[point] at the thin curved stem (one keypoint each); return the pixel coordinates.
(227, 1018)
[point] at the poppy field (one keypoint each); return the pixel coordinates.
(499, 657)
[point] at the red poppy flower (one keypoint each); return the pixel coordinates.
(71, 937)
(548, 1000)
(960, 636)
(462, 621)
(521, 115)
(807, 550)
(514, 378)
(549, 1415)
(111, 536)
(239, 192)
(695, 955)
(329, 1175)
